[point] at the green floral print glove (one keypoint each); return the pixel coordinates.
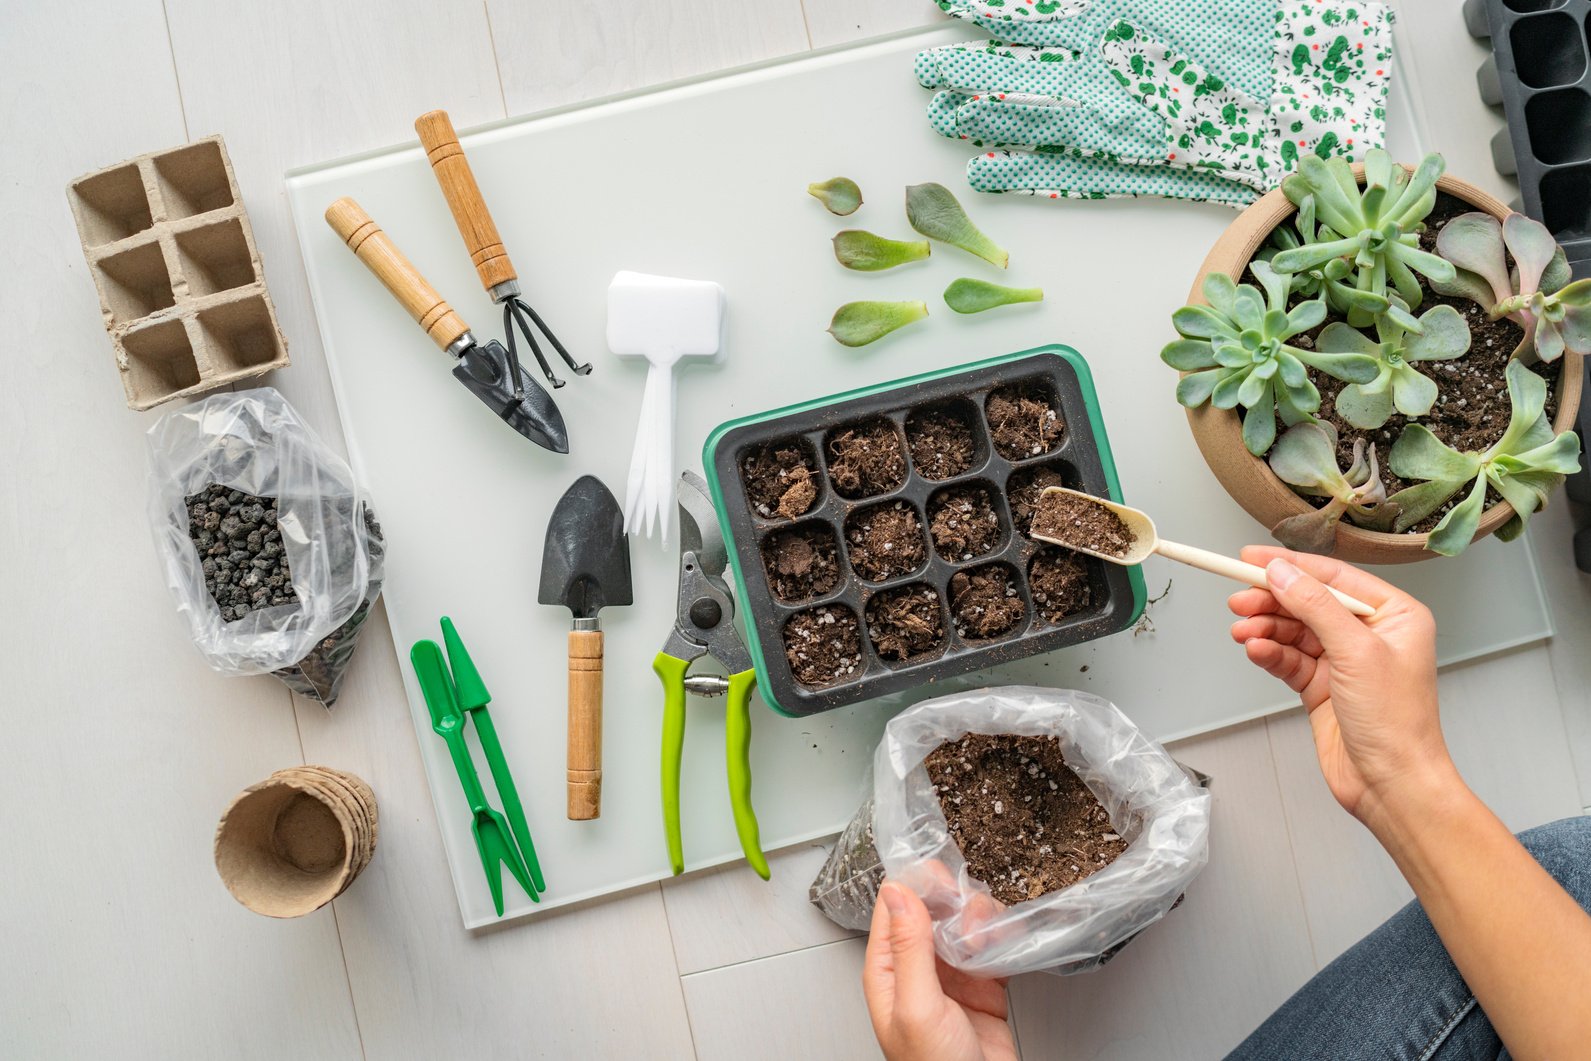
(1208, 99)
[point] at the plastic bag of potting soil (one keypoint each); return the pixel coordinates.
(901, 833)
(299, 579)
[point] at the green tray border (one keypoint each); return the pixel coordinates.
(1096, 423)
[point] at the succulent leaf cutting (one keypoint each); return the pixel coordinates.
(1236, 352)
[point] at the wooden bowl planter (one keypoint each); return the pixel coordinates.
(1248, 478)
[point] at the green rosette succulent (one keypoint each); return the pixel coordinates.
(1305, 458)
(1524, 466)
(1235, 351)
(1375, 229)
(1439, 335)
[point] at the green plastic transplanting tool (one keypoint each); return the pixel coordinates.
(453, 690)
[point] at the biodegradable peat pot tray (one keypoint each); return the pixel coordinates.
(1249, 479)
(894, 544)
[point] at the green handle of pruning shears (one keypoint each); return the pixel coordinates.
(671, 670)
(737, 746)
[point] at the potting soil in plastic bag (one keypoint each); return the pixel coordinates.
(901, 833)
(254, 442)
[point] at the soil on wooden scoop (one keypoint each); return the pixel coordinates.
(941, 442)
(1024, 821)
(984, 602)
(1023, 422)
(866, 459)
(905, 623)
(885, 541)
(963, 523)
(801, 562)
(1058, 580)
(1082, 523)
(240, 550)
(823, 645)
(779, 481)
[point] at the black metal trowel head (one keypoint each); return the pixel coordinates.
(586, 564)
(485, 371)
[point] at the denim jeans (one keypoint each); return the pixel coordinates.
(1396, 994)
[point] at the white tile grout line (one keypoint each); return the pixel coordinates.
(497, 64)
(770, 957)
(806, 22)
(171, 49)
(1292, 848)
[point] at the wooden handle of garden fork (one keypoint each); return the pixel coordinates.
(585, 725)
(382, 257)
(463, 197)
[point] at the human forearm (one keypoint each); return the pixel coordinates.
(1522, 943)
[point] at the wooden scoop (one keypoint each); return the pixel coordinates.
(1147, 541)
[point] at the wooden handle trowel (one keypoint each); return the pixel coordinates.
(585, 567)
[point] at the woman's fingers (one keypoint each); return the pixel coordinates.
(878, 971)
(911, 945)
(1254, 602)
(1335, 573)
(1282, 661)
(1281, 629)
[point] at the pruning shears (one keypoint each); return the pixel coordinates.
(454, 694)
(705, 625)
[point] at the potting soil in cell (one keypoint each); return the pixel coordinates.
(1082, 523)
(1023, 820)
(240, 550)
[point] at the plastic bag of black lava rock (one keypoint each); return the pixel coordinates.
(1041, 828)
(270, 549)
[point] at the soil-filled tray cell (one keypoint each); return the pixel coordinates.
(965, 521)
(865, 459)
(135, 283)
(986, 602)
(160, 362)
(193, 180)
(111, 205)
(1566, 202)
(945, 439)
(1549, 50)
(215, 258)
(1062, 583)
(906, 623)
(780, 480)
(241, 335)
(930, 567)
(885, 541)
(823, 645)
(1022, 490)
(801, 562)
(1025, 420)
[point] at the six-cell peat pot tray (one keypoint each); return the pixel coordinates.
(1540, 72)
(879, 541)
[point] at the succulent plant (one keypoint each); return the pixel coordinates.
(1375, 229)
(1327, 280)
(933, 211)
(860, 323)
(1235, 352)
(967, 295)
(859, 249)
(1478, 246)
(1305, 458)
(1439, 335)
(839, 195)
(1524, 466)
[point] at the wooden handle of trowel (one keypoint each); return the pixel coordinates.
(382, 257)
(585, 725)
(463, 197)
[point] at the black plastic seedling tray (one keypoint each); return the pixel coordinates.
(1540, 72)
(1081, 456)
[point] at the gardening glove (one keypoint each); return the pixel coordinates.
(1227, 89)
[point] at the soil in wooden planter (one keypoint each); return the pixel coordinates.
(963, 523)
(240, 551)
(1024, 821)
(779, 480)
(941, 442)
(1082, 523)
(823, 645)
(905, 623)
(1023, 421)
(866, 459)
(801, 562)
(1471, 410)
(984, 602)
(885, 541)
(1058, 580)
(1022, 492)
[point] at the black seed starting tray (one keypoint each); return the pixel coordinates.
(1540, 72)
(913, 570)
